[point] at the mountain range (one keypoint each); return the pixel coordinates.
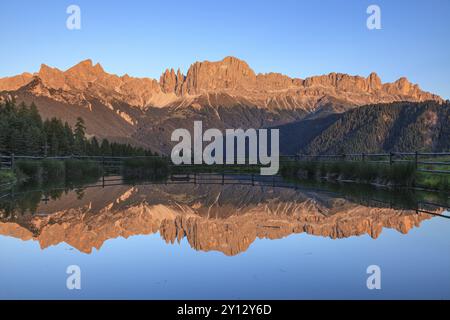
(223, 94)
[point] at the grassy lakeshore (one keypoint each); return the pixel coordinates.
(395, 175)
(439, 182)
(46, 170)
(68, 170)
(141, 168)
(7, 177)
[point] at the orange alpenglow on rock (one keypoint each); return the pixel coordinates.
(231, 76)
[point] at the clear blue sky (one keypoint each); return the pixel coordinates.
(294, 37)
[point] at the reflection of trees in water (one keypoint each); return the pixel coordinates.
(13, 207)
(27, 202)
(403, 198)
(80, 193)
(25, 198)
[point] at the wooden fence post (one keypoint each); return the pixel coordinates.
(390, 158)
(12, 161)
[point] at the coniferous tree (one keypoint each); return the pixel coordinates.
(105, 148)
(79, 137)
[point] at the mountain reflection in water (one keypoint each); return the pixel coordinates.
(224, 218)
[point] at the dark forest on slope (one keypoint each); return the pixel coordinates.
(400, 126)
(23, 132)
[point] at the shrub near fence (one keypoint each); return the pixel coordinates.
(28, 169)
(52, 170)
(396, 174)
(78, 169)
(56, 170)
(138, 168)
(6, 177)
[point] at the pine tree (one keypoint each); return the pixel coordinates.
(105, 148)
(79, 137)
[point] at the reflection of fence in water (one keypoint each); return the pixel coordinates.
(250, 180)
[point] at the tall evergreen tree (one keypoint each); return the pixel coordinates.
(79, 137)
(106, 148)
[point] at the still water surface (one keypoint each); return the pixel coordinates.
(238, 240)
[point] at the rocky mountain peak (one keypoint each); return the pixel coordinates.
(374, 81)
(35, 86)
(15, 82)
(85, 70)
(229, 73)
(403, 84)
(168, 81)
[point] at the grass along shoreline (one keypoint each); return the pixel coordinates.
(47, 170)
(395, 175)
(7, 177)
(50, 170)
(144, 168)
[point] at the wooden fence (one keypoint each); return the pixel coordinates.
(430, 162)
